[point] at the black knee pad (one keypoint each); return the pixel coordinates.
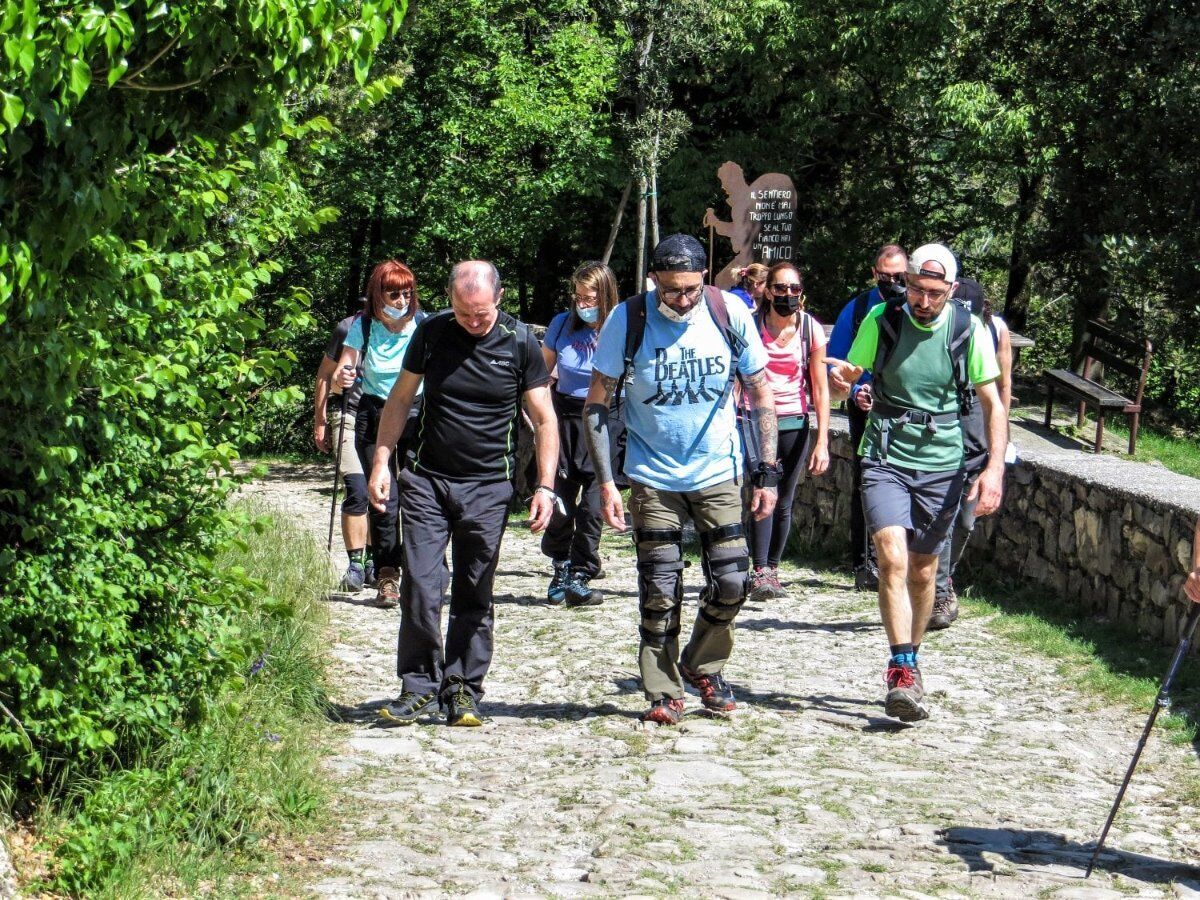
(355, 502)
(726, 565)
(660, 584)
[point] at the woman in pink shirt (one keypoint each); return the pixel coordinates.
(795, 343)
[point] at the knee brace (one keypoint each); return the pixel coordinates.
(660, 583)
(726, 565)
(355, 501)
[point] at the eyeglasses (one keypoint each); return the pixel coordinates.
(918, 294)
(682, 294)
(398, 295)
(780, 289)
(585, 302)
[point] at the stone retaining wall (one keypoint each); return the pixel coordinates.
(1111, 536)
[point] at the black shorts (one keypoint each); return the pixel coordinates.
(924, 503)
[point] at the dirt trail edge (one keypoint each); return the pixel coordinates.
(807, 789)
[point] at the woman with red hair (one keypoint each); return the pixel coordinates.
(380, 339)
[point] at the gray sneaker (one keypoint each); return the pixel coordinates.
(355, 578)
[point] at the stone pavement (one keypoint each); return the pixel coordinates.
(807, 789)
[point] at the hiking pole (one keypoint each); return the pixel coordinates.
(337, 470)
(1160, 701)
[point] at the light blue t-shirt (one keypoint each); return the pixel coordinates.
(575, 350)
(385, 355)
(682, 437)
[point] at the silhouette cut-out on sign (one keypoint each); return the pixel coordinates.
(760, 223)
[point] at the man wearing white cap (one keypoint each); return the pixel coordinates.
(923, 355)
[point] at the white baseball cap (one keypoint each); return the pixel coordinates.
(933, 253)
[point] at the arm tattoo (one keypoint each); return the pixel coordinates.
(595, 430)
(764, 416)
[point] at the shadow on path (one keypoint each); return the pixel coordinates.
(782, 625)
(1033, 848)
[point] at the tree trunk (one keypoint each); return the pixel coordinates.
(641, 234)
(354, 265)
(1020, 261)
(654, 195)
(616, 225)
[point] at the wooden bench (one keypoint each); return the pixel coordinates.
(1102, 344)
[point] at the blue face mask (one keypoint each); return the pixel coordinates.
(589, 314)
(392, 313)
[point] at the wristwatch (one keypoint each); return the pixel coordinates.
(766, 476)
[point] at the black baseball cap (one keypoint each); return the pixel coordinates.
(679, 253)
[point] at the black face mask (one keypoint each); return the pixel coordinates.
(890, 290)
(786, 306)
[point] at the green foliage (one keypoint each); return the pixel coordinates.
(244, 771)
(148, 178)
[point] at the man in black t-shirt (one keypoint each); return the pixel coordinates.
(327, 426)
(477, 364)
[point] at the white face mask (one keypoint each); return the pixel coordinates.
(393, 313)
(677, 316)
(588, 314)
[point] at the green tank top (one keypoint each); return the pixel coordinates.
(919, 375)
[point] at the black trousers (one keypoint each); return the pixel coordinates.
(862, 548)
(769, 536)
(385, 526)
(576, 536)
(470, 517)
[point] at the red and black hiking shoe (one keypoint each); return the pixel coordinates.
(715, 692)
(388, 596)
(664, 711)
(905, 693)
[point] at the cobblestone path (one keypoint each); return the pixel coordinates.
(806, 790)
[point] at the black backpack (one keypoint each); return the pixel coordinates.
(436, 328)
(635, 332)
(892, 320)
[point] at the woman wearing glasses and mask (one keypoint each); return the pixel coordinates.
(796, 374)
(572, 541)
(380, 339)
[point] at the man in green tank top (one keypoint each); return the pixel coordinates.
(912, 466)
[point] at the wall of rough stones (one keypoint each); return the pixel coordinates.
(1109, 536)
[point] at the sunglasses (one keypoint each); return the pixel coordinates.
(398, 295)
(782, 290)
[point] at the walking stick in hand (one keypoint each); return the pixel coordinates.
(337, 470)
(1160, 701)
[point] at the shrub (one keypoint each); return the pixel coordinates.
(146, 184)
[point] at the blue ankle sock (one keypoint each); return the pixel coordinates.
(904, 655)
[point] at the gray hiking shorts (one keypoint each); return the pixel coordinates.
(924, 503)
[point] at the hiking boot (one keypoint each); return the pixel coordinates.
(405, 709)
(556, 592)
(945, 611)
(777, 591)
(580, 593)
(664, 711)
(388, 596)
(715, 692)
(371, 580)
(905, 692)
(758, 586)
(866, 578)
(355, 578)
(461, 709)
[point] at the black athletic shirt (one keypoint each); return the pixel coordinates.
(334, 352)
(468, 426)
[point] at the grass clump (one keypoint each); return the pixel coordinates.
(196, 813)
